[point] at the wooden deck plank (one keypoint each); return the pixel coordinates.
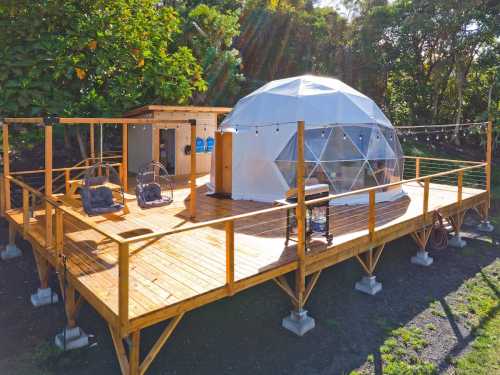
(189, 267)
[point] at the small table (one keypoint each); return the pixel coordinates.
(309, 223)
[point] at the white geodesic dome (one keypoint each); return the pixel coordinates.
(349, 143)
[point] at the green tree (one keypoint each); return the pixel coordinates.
(92, 57)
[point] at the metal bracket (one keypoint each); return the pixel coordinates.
(51, 120)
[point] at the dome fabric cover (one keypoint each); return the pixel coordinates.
(349, 143)
(316, 100)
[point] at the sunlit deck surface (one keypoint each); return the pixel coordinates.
(176, 268)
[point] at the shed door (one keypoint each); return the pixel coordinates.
(167, 149)
(223, 163)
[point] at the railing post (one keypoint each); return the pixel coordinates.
(6, 166)
(300, 277)
(67, 178)
(426, 197)
(460, 181)
(372, 218)
(417, 167)
(48, 184)
(230, 256)
(489, 152)
(2, 196)
(192, 178)
(123, 286)
(59, 231)
(26, 211)
(125, 157)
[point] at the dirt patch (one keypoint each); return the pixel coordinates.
(243, 334)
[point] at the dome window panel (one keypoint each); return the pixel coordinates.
(289, 153)
(318, 176)
(340, 147)
(360, 136)
(342, 174)
(316, 139)
(365, 178)
(378, 147)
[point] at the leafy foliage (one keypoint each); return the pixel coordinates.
(92, 57)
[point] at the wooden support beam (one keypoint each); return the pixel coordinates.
(230, 256)
(134, 352)
(421, 237)
(123, 287)
(311, 285)
(125, 157)
(2, 195)
(456, 221)
(192, 178)
(26, 211)
(372, 216)
(460, 182)
(300, 274)
(417, 167)
(48, 185)
(70, 304)
(283, 284)
(426, 197)
(121, 354)
(167, 332)
(42, 266)
(12, 233)
(6, 167)
(370, 258)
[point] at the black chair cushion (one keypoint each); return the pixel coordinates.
(97, 201)
(150, 196)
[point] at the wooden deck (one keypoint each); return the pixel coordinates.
(182, 271)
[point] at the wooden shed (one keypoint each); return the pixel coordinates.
(170, 143)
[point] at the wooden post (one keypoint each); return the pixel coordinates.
(192, 178)
(48, 184)
(218, 162)
(67, 178)
(123, 286)
(489, 154)
(426, 197)
(2, 195)
(6, 167)
(371, 214)
(70, 305)
(134, 352)
(417, 167)
(300, 275)
(460, 179)
(59, 231)
(230, 256)
(156, 142)
(26, 211)
(92, 142)
(125, 156)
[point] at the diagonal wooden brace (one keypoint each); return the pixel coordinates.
(130, 364)
(421, 237)
(370, 258)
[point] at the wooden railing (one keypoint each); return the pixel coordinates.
(227, 222)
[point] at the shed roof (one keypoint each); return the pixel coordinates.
(169, 108)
